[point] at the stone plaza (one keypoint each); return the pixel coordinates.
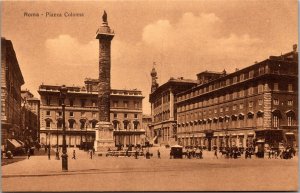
(129, 174)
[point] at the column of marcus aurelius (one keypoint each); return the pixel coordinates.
(104, 130)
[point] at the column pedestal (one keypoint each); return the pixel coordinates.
(104, 137)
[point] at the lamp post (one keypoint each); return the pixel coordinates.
(49, 134)
(57, 152)
(64, 156)
(86, 126)
(226, 132)
(81, 128)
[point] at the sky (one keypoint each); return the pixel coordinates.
(183, 38)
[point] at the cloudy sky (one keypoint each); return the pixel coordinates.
(182, 37)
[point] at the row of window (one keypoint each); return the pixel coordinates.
(125, 125)
(238, 94)
(239, 122)
(125, 115)
(71, 124)
(83, 103)
(94, 114)
(192, 115)
(125, 104)
(234, 107)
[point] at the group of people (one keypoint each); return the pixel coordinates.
(190, 152)
(286, 153)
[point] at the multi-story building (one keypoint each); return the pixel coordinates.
(81, 114)
(11, 82)
(233, 109)
(30, 117)
(163, 108)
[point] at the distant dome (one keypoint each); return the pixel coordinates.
(153, 72)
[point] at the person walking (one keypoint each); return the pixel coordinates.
(216, 153)
(48, 149)
(201, 154)
(91, 154)
(28, 153)
(158, 153)
(136, 154)
(74, 154)
(276, 154)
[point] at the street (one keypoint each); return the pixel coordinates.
(129, 174)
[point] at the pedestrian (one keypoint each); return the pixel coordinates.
(127, 155)
(136, 154)
(28, 153)
(74, 154)
(93, 151)
(187, 153)
(269, 154)
(216, 153)
(48, 149)
(91, 154)
(158, 153)
(201, 154)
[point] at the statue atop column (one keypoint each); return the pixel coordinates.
(104, 17)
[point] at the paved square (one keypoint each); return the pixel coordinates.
(129, 174)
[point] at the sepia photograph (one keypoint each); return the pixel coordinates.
(151, 95)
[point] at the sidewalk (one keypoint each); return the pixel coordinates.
(43, 165)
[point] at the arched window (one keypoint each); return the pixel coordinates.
(48, 123)
(115, 123)
(135, 125)
(71, 123)
(59, 123)
(276, 118)
(94, 123)
(290, 117)
(82, 123)
(250, 116)
(125, 124)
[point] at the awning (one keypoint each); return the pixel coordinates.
(290, 133)
(250, 134)
(21, 142)
(290, 136)
(241, 134)
(14, 143)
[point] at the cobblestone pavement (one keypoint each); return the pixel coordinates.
(128, 174)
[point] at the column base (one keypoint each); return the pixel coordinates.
(105, 138)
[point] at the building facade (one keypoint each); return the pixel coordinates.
(82, 115)
(30, 112)
(11, 82)
(232, 109)
(163, 108)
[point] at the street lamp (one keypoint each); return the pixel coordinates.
(57, 152)
(63, 92)
(81, 128)
(86, 126)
